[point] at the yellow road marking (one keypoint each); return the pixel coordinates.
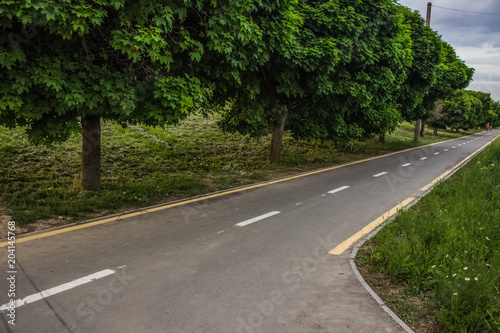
(435, 181)
(351, 240)
(348, 242)
(215, 195)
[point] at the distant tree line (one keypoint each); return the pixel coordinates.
(466, 110)
(336, 70)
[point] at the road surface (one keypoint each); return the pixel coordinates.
(255, 260)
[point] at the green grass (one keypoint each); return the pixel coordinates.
(142, 166)
(446, 250)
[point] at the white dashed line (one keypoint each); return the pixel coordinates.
(380, 174)
(423, 158)
(256, 219)
(59, 289)
(436, 153)
(338, 189)
(453, 147)
(407, 164)
(446, 149)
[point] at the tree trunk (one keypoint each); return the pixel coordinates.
(435, 132)
(277, 139)
(91, 153)
(422, 129)
(381, 138)
(417, 131)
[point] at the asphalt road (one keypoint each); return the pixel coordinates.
(252, 261)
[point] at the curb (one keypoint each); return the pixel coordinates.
(374, 232)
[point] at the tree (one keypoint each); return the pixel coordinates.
(333, 77)
(66, 65)
(238, 66)
(470, 109)
(493, 117)
(422, 75)
(461, 110)
(437, 117)
(436, 72)
(483, 116)
(452, 74)
(360, 97)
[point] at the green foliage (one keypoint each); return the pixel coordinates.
(469, 109)
(459, 111)
(452, 74)
(436, 72)
(448, 247)
(426, 52)
(243, 51)
(357, 97)
(330, 67)
(60, 61)
(490, 112)
(336, 69)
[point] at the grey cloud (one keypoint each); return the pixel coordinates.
(485, 61)
(476, 37)
(487, 86)
(463, 29)
(485, 76)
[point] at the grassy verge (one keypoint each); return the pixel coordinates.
(438, 264)
(143, 166)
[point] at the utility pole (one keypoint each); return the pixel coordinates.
(428, 18)
(419, 122)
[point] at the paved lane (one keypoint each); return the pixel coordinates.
(252, 261)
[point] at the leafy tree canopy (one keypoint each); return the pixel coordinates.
(452, 74)
(422, 75)
(65, 65)
(334, 78)
(460, 110)
(467, 109)
(488, 108)
(129, 61)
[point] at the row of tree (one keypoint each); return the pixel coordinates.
(466, 110)
(328, 69)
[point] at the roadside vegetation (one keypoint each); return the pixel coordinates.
(437, 265)
(146, 165)
(328, 70)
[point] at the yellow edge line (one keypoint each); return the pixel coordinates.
(351, 240)
(348, 242)
(435, 181)
(215, 195)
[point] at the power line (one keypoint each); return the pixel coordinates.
(465, 11)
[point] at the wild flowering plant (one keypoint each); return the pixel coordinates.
(448, 246)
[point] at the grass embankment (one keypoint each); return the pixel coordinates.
(437, 265)
(142, 166)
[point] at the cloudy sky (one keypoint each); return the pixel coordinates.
(475, 36)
